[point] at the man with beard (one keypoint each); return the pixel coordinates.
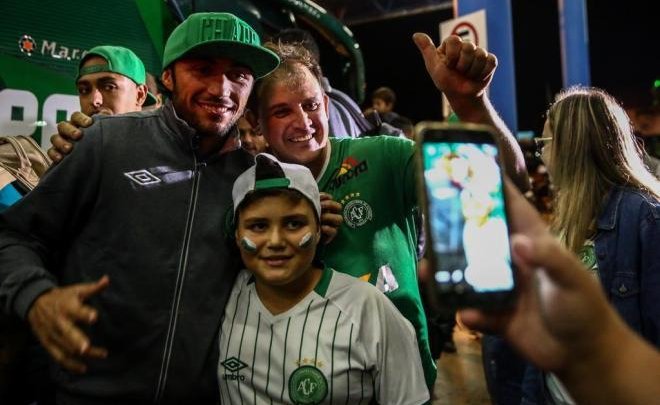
(117, 258)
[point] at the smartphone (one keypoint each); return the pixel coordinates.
(467, 227)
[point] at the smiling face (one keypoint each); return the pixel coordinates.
(108, 93)
(293, 116)
(275, 225)
(209, 94)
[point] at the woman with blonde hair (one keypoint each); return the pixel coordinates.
(607, 206)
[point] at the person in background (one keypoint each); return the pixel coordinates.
(405, 125)
(251, 140)
(112, 80)
(383, 100)
(607, 208)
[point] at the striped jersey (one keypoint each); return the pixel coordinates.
(344, 343)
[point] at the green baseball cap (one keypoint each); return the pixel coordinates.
(119, 60)
(219, 35)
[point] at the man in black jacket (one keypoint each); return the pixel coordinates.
(117, 258)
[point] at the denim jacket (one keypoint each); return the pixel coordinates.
(627, 247)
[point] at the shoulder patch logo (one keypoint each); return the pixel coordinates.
(142, 177)
(307, 385)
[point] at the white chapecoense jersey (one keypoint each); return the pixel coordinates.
(345, 342)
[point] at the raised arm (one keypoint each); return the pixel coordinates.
(463, 71)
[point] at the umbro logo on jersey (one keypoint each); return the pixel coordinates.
(350, 169)
(142, 177)
(233, 365)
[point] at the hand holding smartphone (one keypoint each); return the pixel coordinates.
(466, 215)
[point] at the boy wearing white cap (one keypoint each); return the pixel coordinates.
(295, 331)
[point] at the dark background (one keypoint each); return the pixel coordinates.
(624, 52)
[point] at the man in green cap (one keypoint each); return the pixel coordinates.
(112, 80)
(117, 259)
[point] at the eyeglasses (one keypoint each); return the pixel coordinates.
(540, 144)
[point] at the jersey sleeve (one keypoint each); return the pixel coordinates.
(401, 159)
(35, 231)
(410, 175)
(398, 375)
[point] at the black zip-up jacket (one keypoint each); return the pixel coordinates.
(134, 202)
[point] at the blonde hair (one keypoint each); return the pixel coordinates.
(593, 149)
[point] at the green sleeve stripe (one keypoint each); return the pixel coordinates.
(323, 284)
(318, 333)
(348, 372)
(254, 356)
(332, 356)
(270, 347)
(286, 338)
(302, 333)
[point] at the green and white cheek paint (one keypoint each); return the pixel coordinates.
(305, 241)
(248, 245)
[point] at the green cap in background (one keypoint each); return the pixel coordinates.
(119, 60)
(219, 35)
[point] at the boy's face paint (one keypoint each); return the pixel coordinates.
(279, 229)
(306, 240)
(248, 245)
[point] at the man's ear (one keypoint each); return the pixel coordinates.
(326, 100)
(141, 94)
(167, 78)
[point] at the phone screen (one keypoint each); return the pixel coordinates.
(467, 216)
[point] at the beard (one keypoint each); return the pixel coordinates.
(208, 129)
(205, 127)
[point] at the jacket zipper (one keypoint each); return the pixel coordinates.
(178, 289)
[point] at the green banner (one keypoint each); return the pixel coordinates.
(42, 42)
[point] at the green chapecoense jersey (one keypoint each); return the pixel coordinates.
(374, 180)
